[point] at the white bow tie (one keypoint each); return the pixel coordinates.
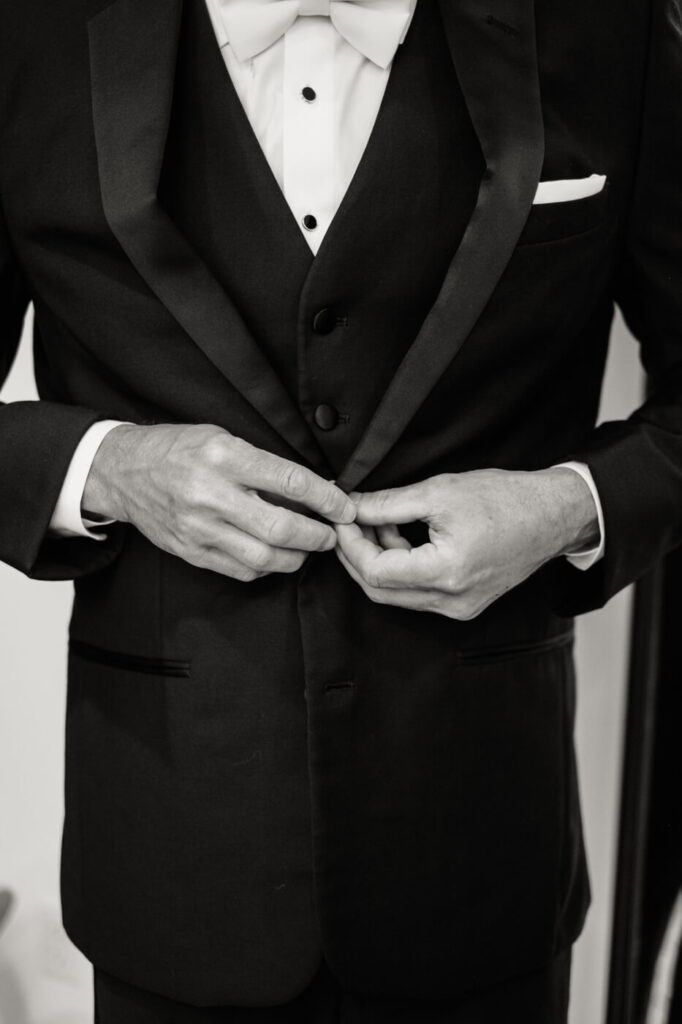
(376, 28)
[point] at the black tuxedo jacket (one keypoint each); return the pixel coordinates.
(260, 775)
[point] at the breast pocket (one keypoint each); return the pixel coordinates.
(550, 222)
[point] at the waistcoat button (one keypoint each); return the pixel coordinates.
(324, 322)
(326, 417)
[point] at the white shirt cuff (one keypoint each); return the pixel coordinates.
(66, 519)
(584, 560)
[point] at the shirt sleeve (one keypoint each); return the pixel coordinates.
(66, 519)
(584, 560)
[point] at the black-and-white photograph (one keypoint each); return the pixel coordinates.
(340, 512)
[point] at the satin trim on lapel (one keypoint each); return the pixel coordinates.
(496, 63)
(133, 50)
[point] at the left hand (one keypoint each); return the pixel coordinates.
(488, 531)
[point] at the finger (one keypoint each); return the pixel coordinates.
(397, 568)
(359, 544)
(370, 534)
(390, 537)
(253, 552)
(279, 527)
(416, 600)
(215, 560)
(398, 505)
(264, 471)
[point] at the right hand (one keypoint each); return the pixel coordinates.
(201, 494)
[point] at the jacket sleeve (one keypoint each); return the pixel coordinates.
(37, 441)
(637, 464)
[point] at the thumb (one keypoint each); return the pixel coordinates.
(397, 505)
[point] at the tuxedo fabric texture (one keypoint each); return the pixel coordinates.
(537, 998)
(262, 776)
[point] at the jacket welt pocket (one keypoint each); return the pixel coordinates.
(142, 664)
(491, 655)
(549, 222)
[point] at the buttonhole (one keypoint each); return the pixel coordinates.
(346, 684)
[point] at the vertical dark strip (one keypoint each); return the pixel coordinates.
(635, 800)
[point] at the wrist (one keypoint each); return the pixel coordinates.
(574, 511)
(104, 491)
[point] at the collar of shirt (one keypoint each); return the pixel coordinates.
(216, 8)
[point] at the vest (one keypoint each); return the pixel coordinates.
(337, 325)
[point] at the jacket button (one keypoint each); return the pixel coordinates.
(326, 417)
(324, 322)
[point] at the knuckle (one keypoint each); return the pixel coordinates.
(330, 499)
(278, 530)
(215, 451)
(200, 557)
(296, 562)
(244, 574)
(324, 540)
(295, 482)
(259, 557)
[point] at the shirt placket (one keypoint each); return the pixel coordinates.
(309, 142)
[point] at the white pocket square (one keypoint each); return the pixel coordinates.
(565, 191)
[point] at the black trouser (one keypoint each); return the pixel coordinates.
(540, 998)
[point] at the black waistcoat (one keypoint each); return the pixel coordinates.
(335, 326)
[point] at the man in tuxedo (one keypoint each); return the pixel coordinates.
(322, 300)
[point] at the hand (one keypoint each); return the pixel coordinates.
(488, 531)
(213, 499)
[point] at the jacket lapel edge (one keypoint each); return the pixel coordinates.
(506, 112)
(132, 80)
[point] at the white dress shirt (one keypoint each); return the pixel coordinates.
(312, 100)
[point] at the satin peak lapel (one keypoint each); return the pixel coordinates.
(133, 50)
(494, 52)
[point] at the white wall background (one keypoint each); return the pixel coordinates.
(43, 979)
